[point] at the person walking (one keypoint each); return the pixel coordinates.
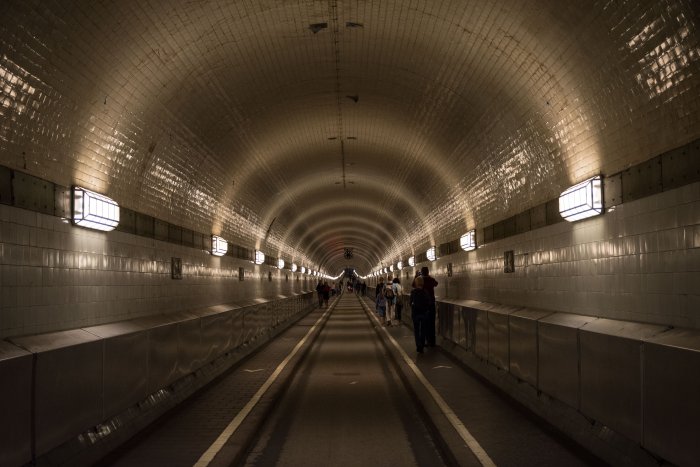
(429, 284)
(326, 293)
(420, 312)
(379, 291)
(390, 300)
(319, 292)
(398, 298)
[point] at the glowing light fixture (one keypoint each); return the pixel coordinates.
(412, 261)
(468, 241)
(391, 268)
(431, 254)
(280, 264)
(294, 267)
(582, 200)
(303, 269)
(94, 211)
(399, 265)
(219, 246)
(259, 257)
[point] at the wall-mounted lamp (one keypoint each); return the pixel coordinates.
(93, 210)
(411, 261)
(303, 269)
(468, 241)
(219, 246)
(582, 200)
(391, 268)
(259, 257)
(280, 264)
(294, 267)
(431, 253)
(399, 265)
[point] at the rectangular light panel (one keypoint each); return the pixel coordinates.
(582, 200)
(468, 241)
(94, 211)
(219, 246)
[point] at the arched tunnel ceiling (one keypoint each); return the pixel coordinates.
(306, 127)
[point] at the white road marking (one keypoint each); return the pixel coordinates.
(216, 446)
(457, 424)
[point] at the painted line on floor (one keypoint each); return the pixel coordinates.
(457, 424)
(225, 435)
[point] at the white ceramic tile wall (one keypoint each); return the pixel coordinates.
(229, 115)
(639, 262)
(56, 276)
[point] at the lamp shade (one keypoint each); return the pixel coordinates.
(259, 257)
(582, 200)
(93, 210)
(468, 241)
(219, 246)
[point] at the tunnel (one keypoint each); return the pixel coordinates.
(177, 177)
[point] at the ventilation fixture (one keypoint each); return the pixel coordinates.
(219, 246)
(94, 211)
(468, 241)
(582, 200)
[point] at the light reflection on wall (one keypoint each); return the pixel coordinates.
(666, 64)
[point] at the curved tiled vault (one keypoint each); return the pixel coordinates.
(306, 127)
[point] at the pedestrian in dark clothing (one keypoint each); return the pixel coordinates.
(377, 291)
(429, 285)
(319, 292)
(420, 313)
(326, 293)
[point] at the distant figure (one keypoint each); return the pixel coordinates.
(390, 300)
(429, 285)
(420, 313)
(319, 291)
(398, 297)
(326, 293)
(380, 301)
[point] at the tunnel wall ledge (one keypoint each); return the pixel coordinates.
(626, 391)
(78, 394)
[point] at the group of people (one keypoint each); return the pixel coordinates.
(389, 303)
(389, 300)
